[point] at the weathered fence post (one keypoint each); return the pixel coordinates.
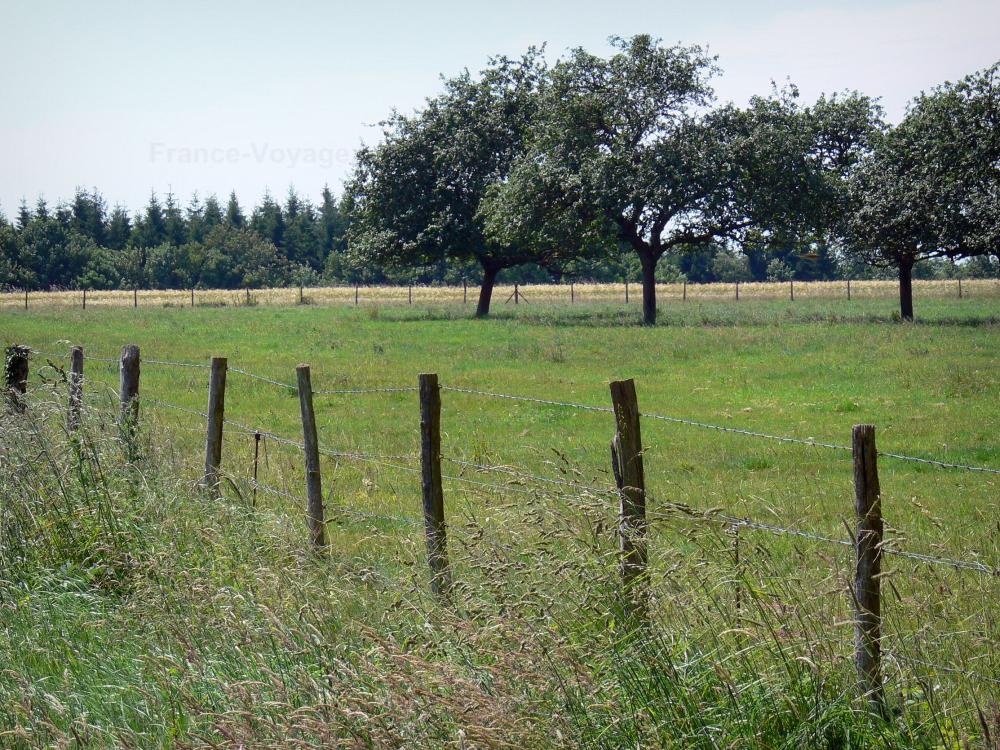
(248, 296)
(465, 291)
(572, 293)
(192, 297)
(685, 297)
(791, 290)
(75, 388)
(737, 291)
(314, 485)
(129, 396)
(867, 596)
(410, 294)
(16, 375)
(25, 299)
(517, 295)
(848, 290)
(626, 463)
(430, 474)
(135, 297)
(356, 294)
(960, 289)
(626, 291)
(216, 421)
(85, 299)
(301, 295)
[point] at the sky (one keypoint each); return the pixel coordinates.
(134, 96)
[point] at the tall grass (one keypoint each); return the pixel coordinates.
(137, 611)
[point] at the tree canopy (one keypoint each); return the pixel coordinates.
(931, 185)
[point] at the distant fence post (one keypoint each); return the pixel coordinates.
(25, 299)
(685, 293)
(960, 289)
(192, 297)
(16, 375)
(301, 295)
(356, 294)
(848, 290)
(410, 294)
(791, 289)
(626, 291)
(135, 297)
(85, 299)
(129, 397)
(75, 388)
(465, 291)
(216, 421)
(430, 474)
(517, 295)
(314, 485)
(572, 293)
(737, 291)
(626, 462)
(867, 595)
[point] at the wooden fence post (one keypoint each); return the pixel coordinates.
(192, 296)
(867, 595)
(737, 291)
(85, 299)
(572, 293)
(685, 297)
(356, 294)
(791, 289)
(465, 291)
(75, 388)
(433, 493)
(848, 290)
(517, 295)
(626, 291)
(129, 396)
(16, 375)
(410, 294)
(135, 297)
(960, 289)
(314, 486)
(25, 299)
(626, 463)
(216, 421)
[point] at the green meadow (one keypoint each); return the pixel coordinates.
(137, 611)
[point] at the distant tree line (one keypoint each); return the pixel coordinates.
(593, 168)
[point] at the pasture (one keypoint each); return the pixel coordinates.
(220, 627)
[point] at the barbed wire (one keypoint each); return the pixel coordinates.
(569, 404)
(346, 391)
(261, 378)
(723, 428)
(886, 548)
(336, 509)
(503, 469)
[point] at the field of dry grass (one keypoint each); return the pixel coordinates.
(532, 293)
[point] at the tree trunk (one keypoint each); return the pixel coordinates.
(486, 290)
(906, 288)
(648, 288)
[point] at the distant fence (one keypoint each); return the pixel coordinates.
(513, 294)
(867, 538)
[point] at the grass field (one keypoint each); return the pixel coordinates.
(144, 614)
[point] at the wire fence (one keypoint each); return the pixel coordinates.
(499, 479)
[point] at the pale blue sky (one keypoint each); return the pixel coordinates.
(134, 96)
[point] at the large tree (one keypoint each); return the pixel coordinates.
(626, 150)
(931, 186)
(415, 199)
